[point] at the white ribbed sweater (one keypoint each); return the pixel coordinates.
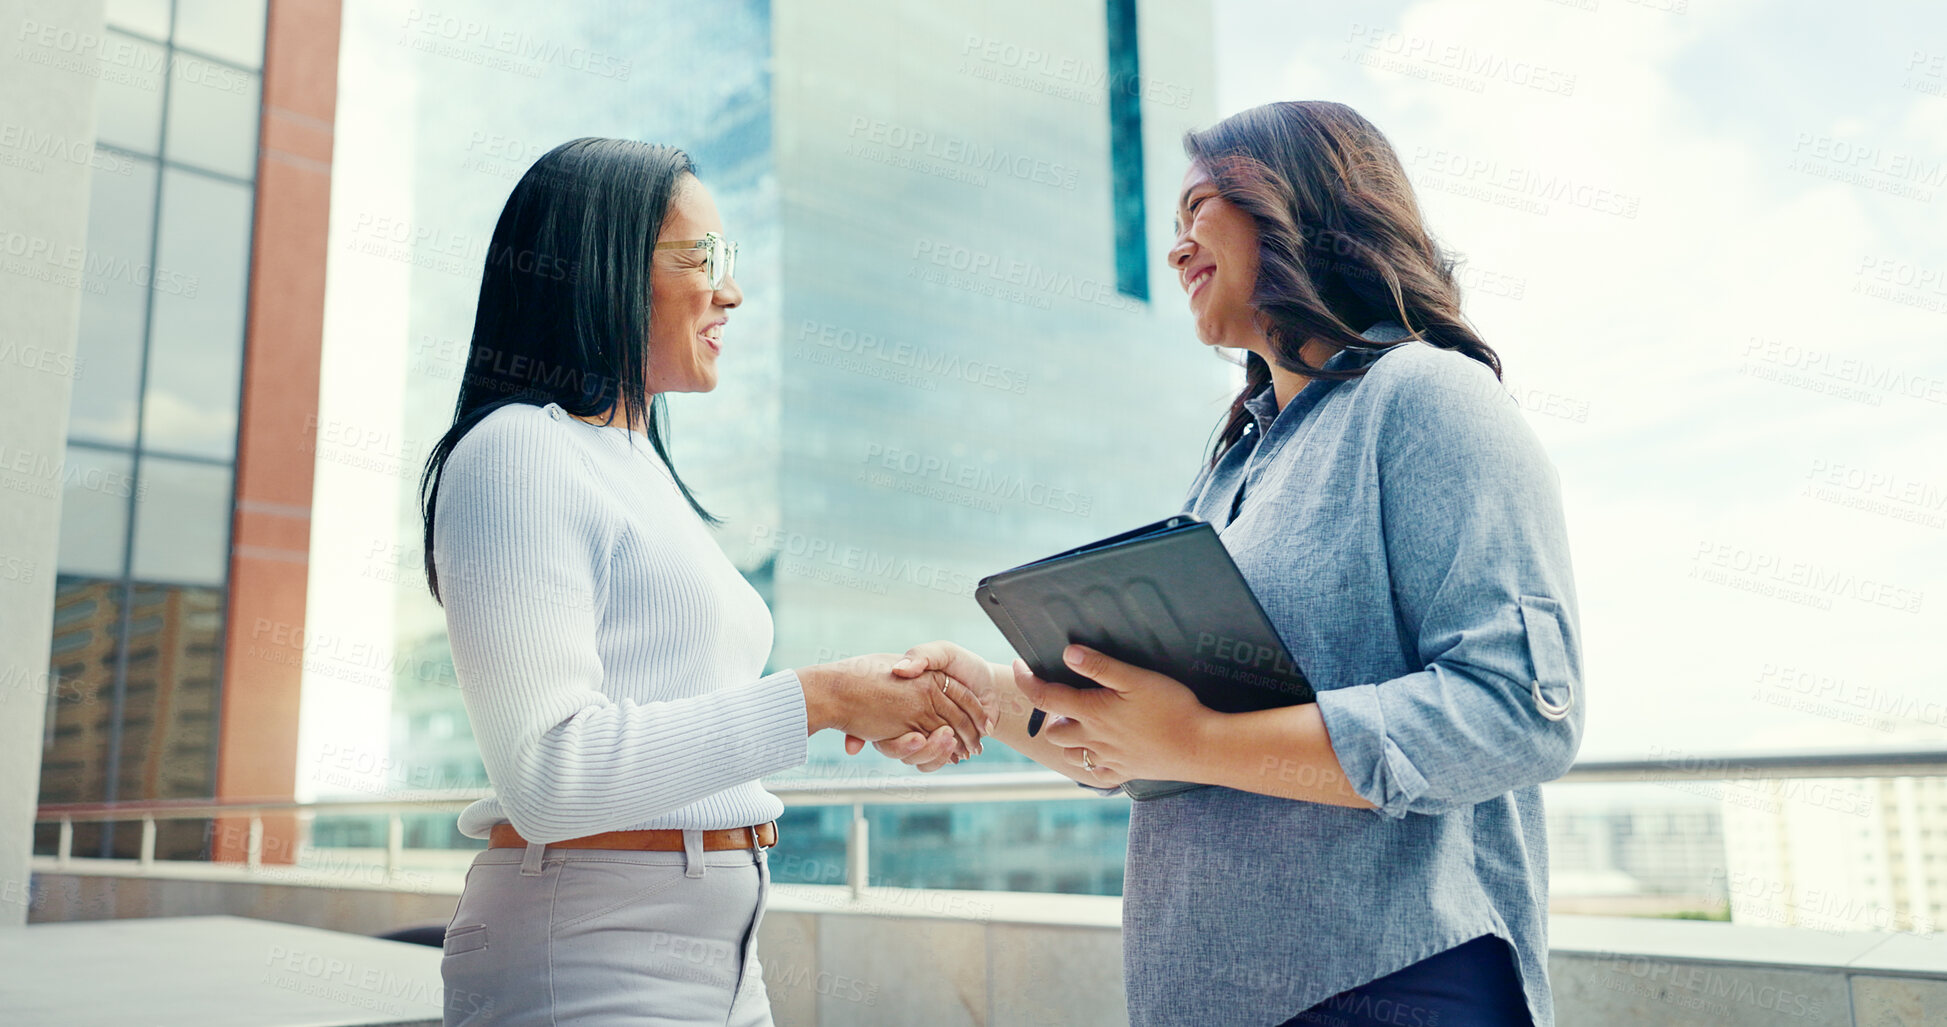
(608, 652)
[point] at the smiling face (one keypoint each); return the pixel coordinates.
(1215, 259)
(687, 317)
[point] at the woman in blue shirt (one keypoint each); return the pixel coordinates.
(1377, 857)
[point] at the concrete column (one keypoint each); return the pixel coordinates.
(47, 133)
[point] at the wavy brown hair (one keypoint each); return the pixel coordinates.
(1341, 245)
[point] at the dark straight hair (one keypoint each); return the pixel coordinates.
(1341, 246)
(563, 315)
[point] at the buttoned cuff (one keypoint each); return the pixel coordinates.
(1377, 770)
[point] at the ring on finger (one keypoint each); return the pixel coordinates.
(1088, 760)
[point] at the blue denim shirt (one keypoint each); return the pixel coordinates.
(1404, 532)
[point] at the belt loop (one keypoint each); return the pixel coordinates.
(531, 859)
(756, 843)
(692, 852)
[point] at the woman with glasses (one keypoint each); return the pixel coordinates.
(1376, 857)
(610, 657)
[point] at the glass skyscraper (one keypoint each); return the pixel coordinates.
(975, 370)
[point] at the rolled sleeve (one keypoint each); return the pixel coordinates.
(1374, 765)
(1476, 550)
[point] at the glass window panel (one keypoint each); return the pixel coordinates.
(148, 17)
(196, 341)
(114, 302)
(182, 522)
(230, 29)
(128, 97)
(81, 682)
(94, 511)
(212, 116)
(168, 700)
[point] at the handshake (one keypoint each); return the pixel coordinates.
(929, 707)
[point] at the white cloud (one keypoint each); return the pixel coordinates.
(1649, 321)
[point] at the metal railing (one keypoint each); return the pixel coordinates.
(903, 789)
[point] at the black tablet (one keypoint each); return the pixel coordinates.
(1165, 597)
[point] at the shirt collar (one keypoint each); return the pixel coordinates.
(1263, 404)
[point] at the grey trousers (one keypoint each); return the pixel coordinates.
(594, 937)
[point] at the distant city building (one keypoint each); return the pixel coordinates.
(974, 368)
(1634, 850)
(1860, 854)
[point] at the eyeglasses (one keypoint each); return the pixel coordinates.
(719, 255)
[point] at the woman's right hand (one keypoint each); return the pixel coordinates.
(862, 697)
(960, 663)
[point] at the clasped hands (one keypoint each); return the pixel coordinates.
(1140, 724)
(863, 697)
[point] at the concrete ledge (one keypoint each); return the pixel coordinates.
(1098, 912)
(1695, 941)
(902, 956)
(898, 956)
(214, 971)
(331, 901)
(1609, 970)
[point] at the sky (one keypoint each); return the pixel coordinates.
(1707, 241)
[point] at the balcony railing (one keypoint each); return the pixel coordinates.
(895, 789)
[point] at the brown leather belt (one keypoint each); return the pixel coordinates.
(668, 839)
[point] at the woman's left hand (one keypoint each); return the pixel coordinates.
(1139, 724)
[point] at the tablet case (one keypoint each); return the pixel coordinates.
(1165, 597)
